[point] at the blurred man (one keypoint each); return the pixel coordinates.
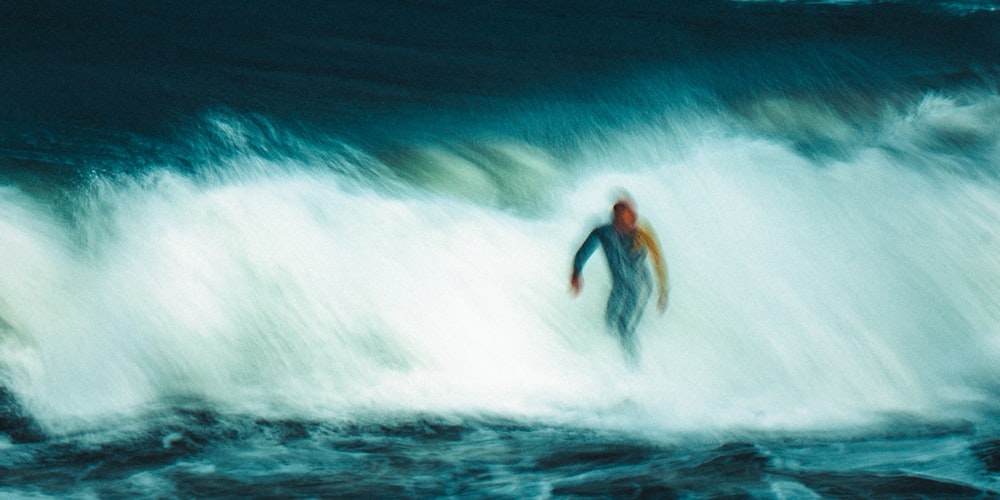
(626, 242)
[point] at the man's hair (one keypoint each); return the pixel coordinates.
(622, 204)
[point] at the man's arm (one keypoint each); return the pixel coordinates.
(646, 237)
(586, 250)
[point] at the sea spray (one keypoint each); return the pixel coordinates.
(801, 296)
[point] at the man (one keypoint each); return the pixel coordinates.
(625, 242)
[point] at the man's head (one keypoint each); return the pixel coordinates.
(625, 219)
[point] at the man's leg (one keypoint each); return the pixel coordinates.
(622, 305)
(633, 305)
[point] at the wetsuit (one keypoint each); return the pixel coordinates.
(630, 281)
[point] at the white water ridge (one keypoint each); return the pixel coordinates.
(802, 297)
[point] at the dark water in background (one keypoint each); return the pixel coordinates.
(321, 249)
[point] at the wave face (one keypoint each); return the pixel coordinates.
(802, 295)
(357, 214)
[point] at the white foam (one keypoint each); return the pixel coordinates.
(801, 297)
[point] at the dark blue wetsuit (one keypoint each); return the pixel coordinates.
(631, 285)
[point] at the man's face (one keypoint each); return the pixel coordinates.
(625, 219)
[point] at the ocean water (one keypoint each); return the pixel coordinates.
(321, 249)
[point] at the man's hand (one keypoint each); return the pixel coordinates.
(575, 284)
(661, 303)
